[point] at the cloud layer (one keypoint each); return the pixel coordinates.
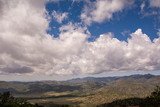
(102, 10)
(59, 17)
(155, 3)
(25, 47)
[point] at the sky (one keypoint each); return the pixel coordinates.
(64, 39)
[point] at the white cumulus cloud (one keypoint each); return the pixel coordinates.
(59, 17)
(102, 10)
(25, 47)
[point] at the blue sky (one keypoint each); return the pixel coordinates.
(122, 23)
(63, 39)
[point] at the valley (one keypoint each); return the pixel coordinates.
(89, 91)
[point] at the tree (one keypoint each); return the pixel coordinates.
(6, 97)
(7, 100)
(156, 93)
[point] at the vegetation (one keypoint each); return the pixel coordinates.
(84, 92)
(7, 100)
(151, 101)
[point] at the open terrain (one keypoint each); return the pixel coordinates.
(89, 91)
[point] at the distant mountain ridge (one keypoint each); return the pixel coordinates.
(111, 78)
(96, 90)
(89, 78)
(70, 85)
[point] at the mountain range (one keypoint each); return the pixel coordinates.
(83, 91)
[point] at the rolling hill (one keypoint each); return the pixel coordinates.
(89, 90)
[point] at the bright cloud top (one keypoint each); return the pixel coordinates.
(102, 10)
(59, 17)
(25, 47)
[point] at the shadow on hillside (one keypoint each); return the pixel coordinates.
(133, 102)
(151, 101)
(7, 100)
